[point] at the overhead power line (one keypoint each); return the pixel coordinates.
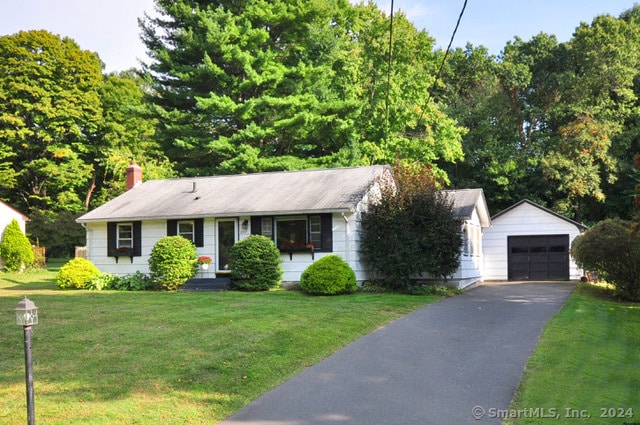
(444, 58)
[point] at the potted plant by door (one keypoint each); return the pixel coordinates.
(204, 261)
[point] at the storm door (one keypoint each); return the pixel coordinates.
(226, 237)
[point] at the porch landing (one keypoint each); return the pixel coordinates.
(207, 284)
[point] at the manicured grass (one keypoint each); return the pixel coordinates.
(587, 361)
(169, 358)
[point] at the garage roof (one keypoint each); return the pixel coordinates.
(547, 210)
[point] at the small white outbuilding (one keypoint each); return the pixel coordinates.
(529, 242)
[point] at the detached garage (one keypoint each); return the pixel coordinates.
(529, 242)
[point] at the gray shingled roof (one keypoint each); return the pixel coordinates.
(465, 201)
(284, 192)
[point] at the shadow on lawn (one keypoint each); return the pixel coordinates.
(20, 285)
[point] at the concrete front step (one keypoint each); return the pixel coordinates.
(207, 284)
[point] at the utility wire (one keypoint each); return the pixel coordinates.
(444, 58)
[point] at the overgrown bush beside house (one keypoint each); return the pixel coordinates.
(76, 274)
(173, 262)
(330, 275)
(410, 230)
(15, 248)
(612, 248)
(255, 264)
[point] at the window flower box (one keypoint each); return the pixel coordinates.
(122, 252)
(291, 247)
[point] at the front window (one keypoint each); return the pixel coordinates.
(124, 236)
(291, 232)
(186, 230)
(315, 230)
(267, 227)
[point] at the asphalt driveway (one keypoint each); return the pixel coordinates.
(457, 361)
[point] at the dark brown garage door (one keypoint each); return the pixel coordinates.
(539, 257)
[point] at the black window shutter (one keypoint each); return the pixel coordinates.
(198, 228)
(112, 229)
(256, 225)
(326, 232)
(172, 227)
(137, 238)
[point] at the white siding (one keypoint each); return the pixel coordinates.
(343, 245)
(7, 215)
(523, 220)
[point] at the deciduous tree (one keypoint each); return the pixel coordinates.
(49, 109)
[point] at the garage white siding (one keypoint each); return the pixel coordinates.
(524, 218)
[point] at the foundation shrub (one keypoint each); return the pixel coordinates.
(76, 274)
(173, 262)
(330, 275)
(255, 264)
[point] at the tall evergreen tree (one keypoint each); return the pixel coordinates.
(255, 85)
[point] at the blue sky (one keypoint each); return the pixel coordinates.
(110, 27)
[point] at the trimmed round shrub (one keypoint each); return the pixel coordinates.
(330, 275)
(15, 248)
(76, 274)
(173, 262)
(255, 264)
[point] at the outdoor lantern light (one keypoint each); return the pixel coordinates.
(27, 315)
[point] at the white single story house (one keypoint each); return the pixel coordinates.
(319, 208)
(7, 214)
(529, 242)
(296, 208)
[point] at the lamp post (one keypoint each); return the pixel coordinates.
(26, 316)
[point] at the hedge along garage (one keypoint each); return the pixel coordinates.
(529, 242)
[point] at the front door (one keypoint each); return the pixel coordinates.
(226, 238)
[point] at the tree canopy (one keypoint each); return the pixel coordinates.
(551, 121)
(254, 86)
(247, 86)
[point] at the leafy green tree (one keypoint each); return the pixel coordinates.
(494, 159)
(57, 231)
(410, 230)
(49, 108)
(128, 134)
(15, 248)
(399, 118)
(555, 122)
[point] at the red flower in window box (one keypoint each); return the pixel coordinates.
(297, 246)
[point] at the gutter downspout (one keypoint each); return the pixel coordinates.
(346, 237)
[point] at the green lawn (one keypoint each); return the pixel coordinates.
(170, 358)
(586, 368)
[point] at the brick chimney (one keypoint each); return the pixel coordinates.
(134, 176)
